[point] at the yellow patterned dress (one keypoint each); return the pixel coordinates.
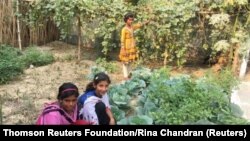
(128, 52)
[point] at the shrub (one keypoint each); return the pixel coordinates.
(33, 56)
(10, 63)
(108, 66)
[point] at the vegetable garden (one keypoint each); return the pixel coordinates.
(214, 33)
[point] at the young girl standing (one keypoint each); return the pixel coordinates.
(128, 51)
(95, 102)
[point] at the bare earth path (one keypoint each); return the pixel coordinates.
(244, 95)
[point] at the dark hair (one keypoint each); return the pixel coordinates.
(66, 90)
(97, 79)
(127, 16)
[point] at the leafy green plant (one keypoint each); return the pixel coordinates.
(118, 114)
(178, 100)
(140, 120)
(142, 73)
(176, 30)
(36, 57)
(177, 97)
(134, 86)
(10, 63)
(136, 120)
(225, 79)
(121, 99)
(202, 122)
(226, 117)
(123, 122)
(108, 66)
(94, 70)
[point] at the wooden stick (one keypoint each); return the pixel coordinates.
(79, 38)
(18, 26)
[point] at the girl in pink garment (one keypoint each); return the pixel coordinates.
(64, 110)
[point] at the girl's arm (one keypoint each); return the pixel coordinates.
(123, 38)
(52, 118)
(111, 117)
(139, 25)
(105, 99)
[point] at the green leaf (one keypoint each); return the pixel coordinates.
(118, 114)
(123, 122)
(140, 120)
(236, 110)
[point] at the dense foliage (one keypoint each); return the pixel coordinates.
(34, 56)
(13, 61)
(10, 64)
(178, 31)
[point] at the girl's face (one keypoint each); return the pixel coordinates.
(130, 21)
(69, 103)
(101, 88)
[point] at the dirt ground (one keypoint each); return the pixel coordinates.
(23, 98)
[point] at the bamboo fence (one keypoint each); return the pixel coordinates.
(37, 35)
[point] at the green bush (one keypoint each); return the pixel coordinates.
(10, 63)
(108, 66)
(33, 56)
(13, 61)
(225, 79)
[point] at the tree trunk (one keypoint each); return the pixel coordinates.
(165, 58)
(245, 59)
(235, 58)
(79, 38)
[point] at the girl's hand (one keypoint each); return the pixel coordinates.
(112, 121)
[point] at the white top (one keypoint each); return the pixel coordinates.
(88, 110)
